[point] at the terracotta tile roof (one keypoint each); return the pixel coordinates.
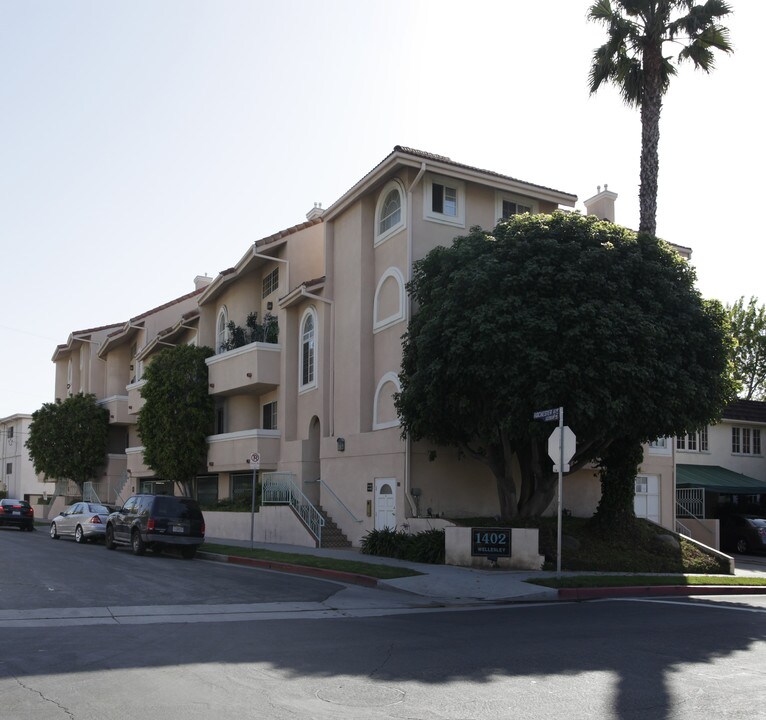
(288, 231)
(167, 304)
(444, 159)
(750, 410)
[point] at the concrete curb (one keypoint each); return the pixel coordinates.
(323, 573)
(659, 591)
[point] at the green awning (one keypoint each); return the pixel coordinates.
(714, 478)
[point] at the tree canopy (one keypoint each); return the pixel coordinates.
(557, 310)
(177, 414)
(748, 325)
(633, 59)
(68, 440)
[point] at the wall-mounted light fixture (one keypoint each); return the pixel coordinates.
(250, 375)
(341, 444)
(269, 305)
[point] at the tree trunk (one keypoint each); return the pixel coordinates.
(538, 483)
(619, 467)
(651, 107)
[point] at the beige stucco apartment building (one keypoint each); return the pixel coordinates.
(316, 402)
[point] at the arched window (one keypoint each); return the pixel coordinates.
(388, 306)
(221, 330)
(390, 211)
(383, 411)
(308, 358)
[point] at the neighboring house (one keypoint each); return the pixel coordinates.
(19, 479)
(315, 403)
(722, 468)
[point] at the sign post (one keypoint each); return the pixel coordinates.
(255, 461)
(561, 449)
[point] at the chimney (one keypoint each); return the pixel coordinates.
(601, 204)
(202, 281)
(315, 212)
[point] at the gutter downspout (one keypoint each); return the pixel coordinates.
(331, 359)
(408, 441)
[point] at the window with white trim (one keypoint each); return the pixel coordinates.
(10, 432)
(384, 411)
(221, 330)
(746, 441)
(271, 282)
(693, 442)
(389, 303)
(389, 211)
(308, 358)
(444, 200)
(270, 416)
(507, 205)
(9, 468)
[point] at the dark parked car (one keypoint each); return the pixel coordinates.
(743, 533)
(155, 522)
(18, 513)
(83, 521)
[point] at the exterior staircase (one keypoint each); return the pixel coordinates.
(332, 535)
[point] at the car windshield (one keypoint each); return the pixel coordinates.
(758, 522)
(167, 507)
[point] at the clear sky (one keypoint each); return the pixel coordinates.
(144, 142)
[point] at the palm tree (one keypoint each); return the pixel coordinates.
(632, 59)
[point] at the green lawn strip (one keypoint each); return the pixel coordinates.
(382, 572)
(600, 581)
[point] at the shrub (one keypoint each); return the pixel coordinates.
(425, 547)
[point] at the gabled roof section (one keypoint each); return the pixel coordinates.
(251, 260)
(747, 410)
(169, 336)
(131, 328)
(302, 291)
(402, 156)
(77, 338)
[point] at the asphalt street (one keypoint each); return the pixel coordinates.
(197, 639)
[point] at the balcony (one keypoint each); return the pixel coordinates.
(117, 405)
(136, 466)
(135, 401)
(252, 369)
(232, 451)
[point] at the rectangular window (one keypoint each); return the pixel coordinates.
(444, 199)
(242, 486)
(703, 440)
(746, 440)
(10, 433)
(692, 440)
(220, 419)
(207, 490)
(513, 208)
(9, 468)
(271, 282)
(659, 443)
(270, 416)
(681, 442)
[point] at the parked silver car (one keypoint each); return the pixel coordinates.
(83, 521)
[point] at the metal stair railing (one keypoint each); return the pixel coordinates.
(681, 529)
(278, 488)
(323, 484)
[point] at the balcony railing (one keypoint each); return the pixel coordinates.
(232, 451)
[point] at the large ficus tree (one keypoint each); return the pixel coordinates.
(558, 310)
(68, 440)
(640, 34)
(177, 414)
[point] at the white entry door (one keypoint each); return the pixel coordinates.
(646, 503)
(385, 503)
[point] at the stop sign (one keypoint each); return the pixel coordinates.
(569, 440)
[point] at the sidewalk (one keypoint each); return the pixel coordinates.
(447, 584)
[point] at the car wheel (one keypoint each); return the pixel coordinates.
(742, 545)
(188, 552)
(54, 532)
(78, 536)
(109, 538)
(139, 548)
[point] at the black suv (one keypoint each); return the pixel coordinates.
(157, 521)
